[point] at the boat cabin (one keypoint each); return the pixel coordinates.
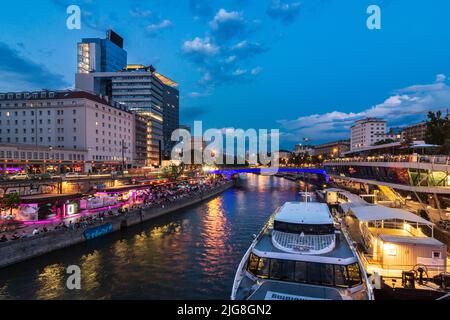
(396, 241)
(304, 227)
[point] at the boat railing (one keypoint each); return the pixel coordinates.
(369, 286)
(396, 271)
(438, 159)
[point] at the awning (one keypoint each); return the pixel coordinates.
(424, 145)
(411, 240)
(375, 213)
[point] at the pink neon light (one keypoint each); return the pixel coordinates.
(12, 169)
(31, 223)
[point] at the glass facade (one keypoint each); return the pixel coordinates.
(100, 55)
(142, 92)
(403, 176)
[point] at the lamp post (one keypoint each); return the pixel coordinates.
(123, 157)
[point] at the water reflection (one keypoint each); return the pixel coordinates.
(91, 266)
(51, 282)
(215, 235)
(190, 254)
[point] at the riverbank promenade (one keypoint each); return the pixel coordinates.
(35, 240)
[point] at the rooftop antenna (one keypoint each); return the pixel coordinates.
(307, 196)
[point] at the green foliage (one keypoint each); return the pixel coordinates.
(44, 212)
(386, 141)
(303, 159)
(438, 131)
(173, 172)
(10, 201)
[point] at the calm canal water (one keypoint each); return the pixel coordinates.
(190, 254)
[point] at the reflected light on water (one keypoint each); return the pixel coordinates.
(215, 235)
(189, 254)
(52, 282)
(91, 265)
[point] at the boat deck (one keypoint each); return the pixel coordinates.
(341, 251)
(272, 290)
(391, 232)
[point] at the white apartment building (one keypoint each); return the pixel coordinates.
(72, 120)
(138, 88)
(366, 132)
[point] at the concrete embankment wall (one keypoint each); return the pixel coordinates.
(13, 252)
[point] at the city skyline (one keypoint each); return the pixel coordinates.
(225, 53)
(174, 151)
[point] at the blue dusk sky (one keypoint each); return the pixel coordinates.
(309, 67)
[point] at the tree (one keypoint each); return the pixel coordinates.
(385, 141)
(10, 202)
(438, 131)
(45, 211)
(173, 172)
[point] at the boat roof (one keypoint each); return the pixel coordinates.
(411, 240)
(376, 212)
(304, 213)
(352, 198)
(341, 254)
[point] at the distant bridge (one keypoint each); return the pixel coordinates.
(234, 171)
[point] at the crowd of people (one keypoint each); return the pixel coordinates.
(396, 158)
(153, 197)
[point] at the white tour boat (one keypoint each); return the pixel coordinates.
(301, 255)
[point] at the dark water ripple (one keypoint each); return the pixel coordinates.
(191, 254)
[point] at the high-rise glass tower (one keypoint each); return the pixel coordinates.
(101, 55)
(171, 112)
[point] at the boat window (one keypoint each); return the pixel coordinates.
(340, 276)
(314, 273)
(282, 270)
(276, 269)
(288, 271)
(253, 264)
(305, 272)
(263, 268)
(326, 272)
(300, 271)
(316, 229)
(354, 275)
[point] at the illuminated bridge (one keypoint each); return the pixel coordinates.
(234, 171)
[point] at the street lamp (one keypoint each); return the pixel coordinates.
(123, 157)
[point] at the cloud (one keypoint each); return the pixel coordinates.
(195, 94)
(222, 54)
(20, 73)
(256, 71)
(155, 29)
(239, 72)
(403, 107)
(200, 47)
(283, 10)
(140, 13)
(440, 77)
(228, 24)
(246, 49)
(201, 8)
